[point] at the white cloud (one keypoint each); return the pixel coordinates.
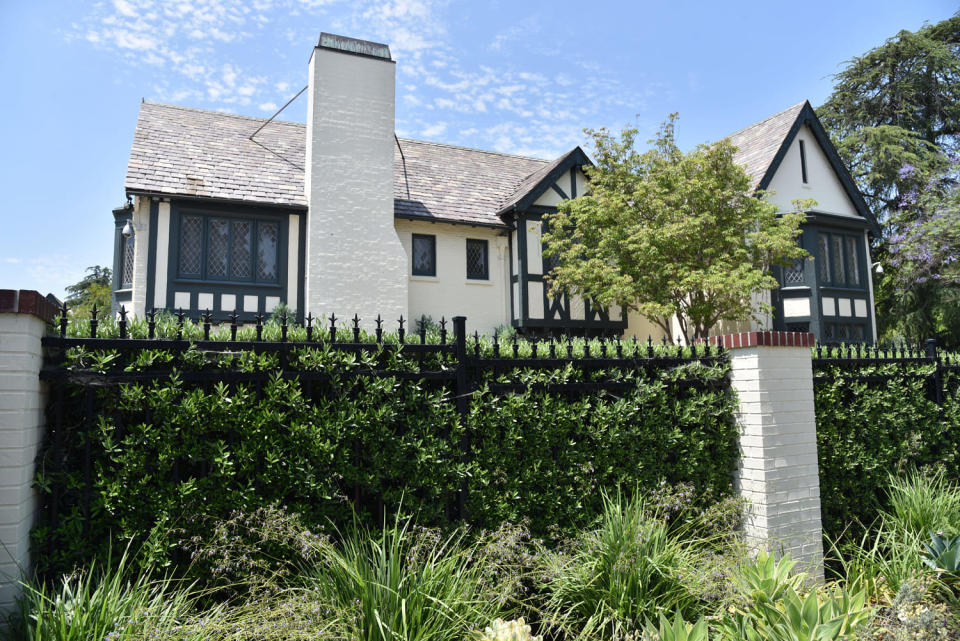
(268, 106)
(434, 130)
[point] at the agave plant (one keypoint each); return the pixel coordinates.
(942, 554)
(821, 616)
(677, 630)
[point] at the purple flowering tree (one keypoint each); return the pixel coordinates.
(924, 240)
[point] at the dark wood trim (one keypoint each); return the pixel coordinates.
(446, 221)
(574, 158)
(302, 270)
(152, 249)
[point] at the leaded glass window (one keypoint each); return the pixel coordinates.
(229, 249)
(823, 258)
(424, 255)
(793, 274)
(240, 251)
(191, 245)
(267, 241)
(219, 239)
(837, 256)
(853, 271)
(477, 266)
(126, 266)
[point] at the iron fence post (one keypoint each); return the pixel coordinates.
(930, 346)
(462, 389)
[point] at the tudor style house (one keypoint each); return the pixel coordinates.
(231, 214)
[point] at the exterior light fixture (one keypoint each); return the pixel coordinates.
(877, 267)
(127, 230)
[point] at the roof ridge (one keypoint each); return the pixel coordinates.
(770, 117)
(214, 112)
(483, 151)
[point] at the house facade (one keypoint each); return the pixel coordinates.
(230, 214)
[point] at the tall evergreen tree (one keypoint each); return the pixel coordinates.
(894, 116)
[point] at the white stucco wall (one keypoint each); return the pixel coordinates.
(486, 304)
(356, 262)
(822, 184)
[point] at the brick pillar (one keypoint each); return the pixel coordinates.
(778, 472)
(23, 321)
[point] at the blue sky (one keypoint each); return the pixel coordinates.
(521, 76)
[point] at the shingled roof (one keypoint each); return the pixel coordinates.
(180, 151)
(759, 143)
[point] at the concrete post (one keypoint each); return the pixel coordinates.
(24, 317)
(778, 473)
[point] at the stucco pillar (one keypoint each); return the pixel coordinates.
(23, 321)
(778, 473)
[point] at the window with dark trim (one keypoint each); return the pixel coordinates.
(839, 263)
(424, 255)
(126, 261)
(477, 260)
(243, 250)
(803, 162)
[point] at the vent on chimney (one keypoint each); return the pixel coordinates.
(352, 45)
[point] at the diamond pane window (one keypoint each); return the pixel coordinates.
(268, 235)
(837, 248)
(793, 274)
(477, 267)
(823, 258)
(424, 255)
(126, 269)
(240, 251)
(219, 240)
(853, 271)
(191, 245)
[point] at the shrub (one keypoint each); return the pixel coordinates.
(168, 459)
(868, 429)
(412, 584)
(634, 567)
(108, 602)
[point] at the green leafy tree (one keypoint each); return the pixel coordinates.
(894, 116)
(94, 289)
(668, 233)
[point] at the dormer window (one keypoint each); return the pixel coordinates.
(803, 162)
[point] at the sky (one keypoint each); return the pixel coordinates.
(520, 76)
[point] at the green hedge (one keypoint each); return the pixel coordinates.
(868, 429)
(167, 457)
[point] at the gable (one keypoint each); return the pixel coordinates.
(823, 184)
(566, 186)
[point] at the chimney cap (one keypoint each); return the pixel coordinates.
(354, 46)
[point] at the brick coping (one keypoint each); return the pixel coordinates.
(27, 301)
(764, 339)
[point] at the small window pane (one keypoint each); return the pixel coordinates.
(823, 259)
(793, 274)
(191, 245)
(126, 271)
(217, 249)
(837, 249)
(240, 251)
(424, 255)
(858, 332)
(477, 260)
(267, 241)
(853, 271)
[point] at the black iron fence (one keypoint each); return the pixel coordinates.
(878, 364)
(105, 355)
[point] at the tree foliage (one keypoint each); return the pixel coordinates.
(668, 233)
(93, 290)
(896, 105)
(894, 115)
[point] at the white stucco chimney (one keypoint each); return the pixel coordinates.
(355, 262)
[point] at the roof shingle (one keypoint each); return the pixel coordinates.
(758, 144)
(180, 151)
